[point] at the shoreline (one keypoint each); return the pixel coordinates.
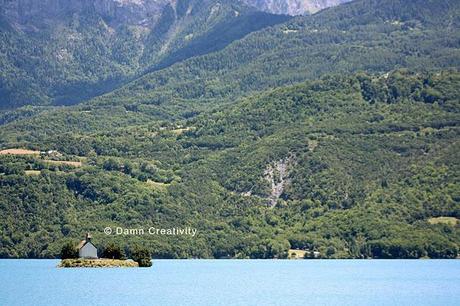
(269, 259)
(97, 263)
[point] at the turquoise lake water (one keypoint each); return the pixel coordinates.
(234, 282)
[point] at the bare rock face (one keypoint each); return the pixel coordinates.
(276, 175)
(25, 13)
(293, 7)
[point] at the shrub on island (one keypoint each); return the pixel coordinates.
(142, 256)
(69, 251)
(113, 251)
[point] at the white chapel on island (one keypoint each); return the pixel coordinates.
(86, 248)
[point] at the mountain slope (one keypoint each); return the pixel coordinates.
(374, 36)
(418, 35)
(369, 162)
(56, 52)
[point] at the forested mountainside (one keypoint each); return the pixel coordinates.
(294, 7)
(335, 133)
(62, 52)
(349, 166)
(374, 36)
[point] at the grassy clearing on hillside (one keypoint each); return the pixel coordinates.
(33, 172)
(444, 220)
(157, 185)
(64, 162)
(19, 152)
(180, 131)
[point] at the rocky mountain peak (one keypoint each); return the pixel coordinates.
(293, 7)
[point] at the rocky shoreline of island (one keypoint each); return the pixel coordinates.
(97, 263)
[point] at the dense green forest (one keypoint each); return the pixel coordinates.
(335, 133)
(370, 160)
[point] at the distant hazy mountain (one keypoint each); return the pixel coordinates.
(65, 51)
(24, 13)
(293, 7)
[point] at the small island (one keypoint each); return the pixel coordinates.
(97, 263)
(85, 255)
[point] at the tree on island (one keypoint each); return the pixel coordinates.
(142, 256)
(113, 251)
(69, 251)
